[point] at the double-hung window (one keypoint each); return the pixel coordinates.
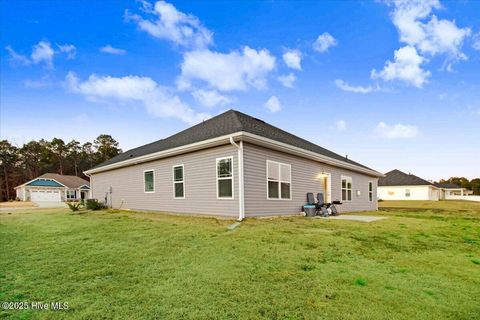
(279, 180)
(407, 193)
(225, 178)
(71, 195)
(370, 191)
(149, 181)
(178, 182)
(346, 188)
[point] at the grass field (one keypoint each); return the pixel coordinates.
(423, 262)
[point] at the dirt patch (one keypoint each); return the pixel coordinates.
(17, 204)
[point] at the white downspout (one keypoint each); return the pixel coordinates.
(241, 191)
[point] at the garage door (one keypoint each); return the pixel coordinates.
(45, 195)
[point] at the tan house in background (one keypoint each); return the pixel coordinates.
(54, 187)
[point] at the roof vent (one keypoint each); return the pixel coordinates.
(131, 156)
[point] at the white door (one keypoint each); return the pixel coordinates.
(45, 195)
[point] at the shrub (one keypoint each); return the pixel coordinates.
(74, 206)
(94, 204)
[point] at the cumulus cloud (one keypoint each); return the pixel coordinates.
(287, 80)
(355, 89)
(236, 70)
(210, 98)
(293, 59)
(273, 104)
(406, 66)
(166, 22)
(42, 53)
(158, 100)
(397, 131)
(435, 36)
(68, 49)
(111, 50)
(341, 125)
(324, 42)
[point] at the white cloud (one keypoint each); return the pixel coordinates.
(273, 104)
(405, 67)
(43, 52)
(69, 49)
(432, 37)
(355, 89)
(341, 125)
(397, 131)
(158, 100)
(287, 80)
(476, 42)
(210, 98)
(109, 49)
(166, 22)
(17, 58)
(324, 42)
(293, 59)
(237, 70)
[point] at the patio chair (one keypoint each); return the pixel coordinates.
(322, 206)
(330, 207)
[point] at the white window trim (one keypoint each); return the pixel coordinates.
(70, 191)
(370, 192)
(149, 170)
(279, 181)
(175, 182)
(232, 178)
(346, 188)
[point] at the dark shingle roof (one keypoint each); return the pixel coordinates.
(399, 178)
(447, 185)
(69, 181)
(226, 123)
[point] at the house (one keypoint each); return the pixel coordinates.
(449, 190)
(54, 187)
(397, 185)
(232, 165)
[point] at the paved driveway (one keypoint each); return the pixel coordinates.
(48, 204)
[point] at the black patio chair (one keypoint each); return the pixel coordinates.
(321, 205)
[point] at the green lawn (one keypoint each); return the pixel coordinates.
(423, 262)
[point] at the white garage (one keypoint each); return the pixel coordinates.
(41, 195)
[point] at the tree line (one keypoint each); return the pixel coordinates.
(21, 164)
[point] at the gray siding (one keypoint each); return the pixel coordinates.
(304, 179)
(200, 184)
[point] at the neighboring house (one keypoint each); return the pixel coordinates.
(450, 189)
(232, 165)
(397, 185)
(54, 187)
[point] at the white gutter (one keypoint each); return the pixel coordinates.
(243, 136)
(241, 190)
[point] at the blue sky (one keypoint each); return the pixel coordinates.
(393, 84)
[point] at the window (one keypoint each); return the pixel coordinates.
(407, 192)
(279, 176)
(178, 182)
(149, 181)
(71, 195)
(370, 191)
(346, 188)
(225, 178)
